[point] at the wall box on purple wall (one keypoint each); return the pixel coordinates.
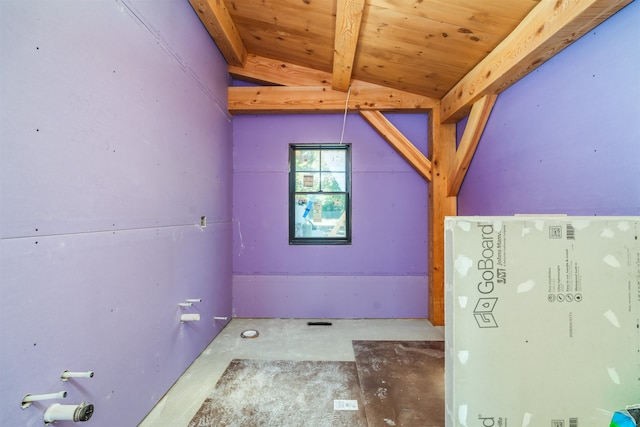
(542, 318)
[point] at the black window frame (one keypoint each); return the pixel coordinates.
(320, 240)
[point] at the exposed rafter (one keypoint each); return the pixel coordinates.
(348, 19)
(267, 71)
(469, 142)
(550, 27)
(216, 19)
(546, 30)
(399, 142)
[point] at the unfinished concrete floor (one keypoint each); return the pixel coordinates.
(279, 339)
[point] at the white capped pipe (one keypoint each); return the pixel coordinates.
(220, 318)
(28, 398)
(190, 317)
(58, 412)
(67, 374)
(193, 300)
(184, 304)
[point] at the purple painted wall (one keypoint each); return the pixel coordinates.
(566, 138)
(382, 274)
(114, 142)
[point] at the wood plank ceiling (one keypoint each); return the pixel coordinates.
(448, 58)
(423, 47)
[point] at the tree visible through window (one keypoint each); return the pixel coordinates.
(320, 194)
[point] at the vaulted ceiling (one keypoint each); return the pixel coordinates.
(455, 51)
(448, 58)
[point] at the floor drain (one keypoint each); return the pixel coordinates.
(250, 333)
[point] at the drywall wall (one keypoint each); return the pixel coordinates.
(566, 138)
(383, 273)
(115, 141)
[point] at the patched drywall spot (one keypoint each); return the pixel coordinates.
(463, 264)
(623, 226)
(607, 233)
(611, 317)
(611, 261)
(464, 225)
(613, 374)
(580, 224)
(462, 415)
(526, 286)
(462, 300)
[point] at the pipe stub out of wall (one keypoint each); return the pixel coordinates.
(250, 333)
(66, 374)
(29, 398)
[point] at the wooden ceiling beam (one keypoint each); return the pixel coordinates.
(546, 30)
(348, 20)
(217, 20)
(399, 142)
(262, 70)
(268, 71)
(478, 118)
(322, 99)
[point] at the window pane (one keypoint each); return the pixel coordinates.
(319, 194)
(334, 160)
(307, 181)
(320, 215)
(334, 181)
(307, 160)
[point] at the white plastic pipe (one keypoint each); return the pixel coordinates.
(67, 374)
(220, 318)
(184, 304)
(190, 317)
(28, 398)
(58, 412)
(194, 300)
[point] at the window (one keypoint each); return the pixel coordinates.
(320, 194)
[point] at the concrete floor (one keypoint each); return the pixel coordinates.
(279, 339)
